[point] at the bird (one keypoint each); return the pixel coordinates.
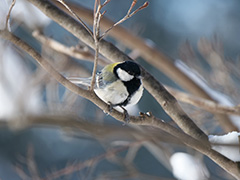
(118, 84)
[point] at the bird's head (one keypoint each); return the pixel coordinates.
(127, 70)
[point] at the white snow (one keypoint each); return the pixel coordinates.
(188, 167)
(232, 148)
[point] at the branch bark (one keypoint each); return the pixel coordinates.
(108, 50)
(154, 57)
(225, 163)
(205, 104)
(70, 51)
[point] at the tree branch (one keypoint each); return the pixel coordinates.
(143, 119)
(9, 12)
(74, 52)
(154, 57)
(205, 104)
(225, 163)
(168, 102)
(108, 50)
(76, 16)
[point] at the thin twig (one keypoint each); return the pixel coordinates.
(21, 173)
(128, 15)
(70, 51)
(106, 2)
(32, 166)
(96, 28)
(9, 13)
(88, 163)
(75, 15)
(96, 33)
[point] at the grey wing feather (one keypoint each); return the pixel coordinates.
(82, 81)
(104, 78)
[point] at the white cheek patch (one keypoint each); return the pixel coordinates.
(123, 75)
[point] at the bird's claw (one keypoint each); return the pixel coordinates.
(110, 108)
(126, 116)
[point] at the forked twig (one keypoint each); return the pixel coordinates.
(75, 15)
(96, 28)
(96, 34)
(9, 12)
(128, 15)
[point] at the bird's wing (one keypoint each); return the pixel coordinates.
(82, 81)
(105, 78)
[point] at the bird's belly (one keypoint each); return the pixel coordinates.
(115, 93)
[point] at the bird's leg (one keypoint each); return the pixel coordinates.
(126, 116)
(110, 108)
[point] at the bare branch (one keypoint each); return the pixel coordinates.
(138, 9)
(128, 15)
(21, 173)
(87, 163)
(164, 98)
(143, 119)
(32, 167)
(9, 13)
(204, 103)
(168, 102)
(96, 29)
(96, 32)
(75, 15)
(97, 16)
(106, 2)
(70, 51)
(153, 56)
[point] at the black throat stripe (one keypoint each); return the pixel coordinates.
(132, 86)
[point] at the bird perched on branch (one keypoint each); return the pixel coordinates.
(117, 84)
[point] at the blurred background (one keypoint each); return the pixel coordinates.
(49, 132)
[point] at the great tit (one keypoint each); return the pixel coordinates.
(117, 84)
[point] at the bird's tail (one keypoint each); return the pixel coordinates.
(81, 81)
